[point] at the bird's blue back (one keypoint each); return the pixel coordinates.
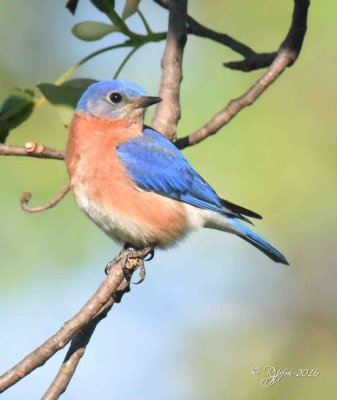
(155, 164)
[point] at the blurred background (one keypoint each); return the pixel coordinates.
(214, 307)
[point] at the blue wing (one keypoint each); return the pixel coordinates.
(155, 164)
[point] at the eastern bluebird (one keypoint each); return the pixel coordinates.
(134, 183)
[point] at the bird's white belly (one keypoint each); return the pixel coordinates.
(121, 228)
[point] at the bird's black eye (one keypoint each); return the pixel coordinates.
(115, 97)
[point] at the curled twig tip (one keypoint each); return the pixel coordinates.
(26, 196)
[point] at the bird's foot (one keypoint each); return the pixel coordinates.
(121, 256)
(142, 271)
(140, 257)
(132, 259)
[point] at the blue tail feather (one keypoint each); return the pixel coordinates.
(260, 243)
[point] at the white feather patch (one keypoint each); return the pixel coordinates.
(120, 228)
(198, 218)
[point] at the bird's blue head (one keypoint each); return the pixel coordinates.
(115, 99)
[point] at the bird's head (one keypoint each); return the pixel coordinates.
(115, 99)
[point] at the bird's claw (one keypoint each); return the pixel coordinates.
(111, 264)
(141, 268)
(150, 255)
(128, 253)
(142, 272)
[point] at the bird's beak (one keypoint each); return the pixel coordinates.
(147, 101)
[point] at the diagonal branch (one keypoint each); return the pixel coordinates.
(110, 291)
(78, 346)
(283, 59)
(168, 112)
(26, 196)
(73, 357)
(31, 150)
(195, 28)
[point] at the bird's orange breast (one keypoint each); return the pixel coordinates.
(108, 195)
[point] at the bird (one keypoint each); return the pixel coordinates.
(134, 183)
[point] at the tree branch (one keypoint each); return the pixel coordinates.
(73, 357)
(31, 150)
(78, 346)
(168, 112)
(292, 42)
(253, 60)
(110, 291)
(195, 28)
(283, 59)
(26, 196)
(286, 56)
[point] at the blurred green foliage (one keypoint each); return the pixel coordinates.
(66, 96)
(14, 110)
(278, 157)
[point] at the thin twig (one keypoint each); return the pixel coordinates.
(252, 60)
(70, 71)
(197, 29)
(124, 62)
(26, 196)
(293, 41)
(284, 58)
(31, 150)
(145, 23)
(168, 112)
(108, 291)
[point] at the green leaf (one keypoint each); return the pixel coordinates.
(106, 6)
(15, 109)
(131, 6)
(66, 96)
(91, 30)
